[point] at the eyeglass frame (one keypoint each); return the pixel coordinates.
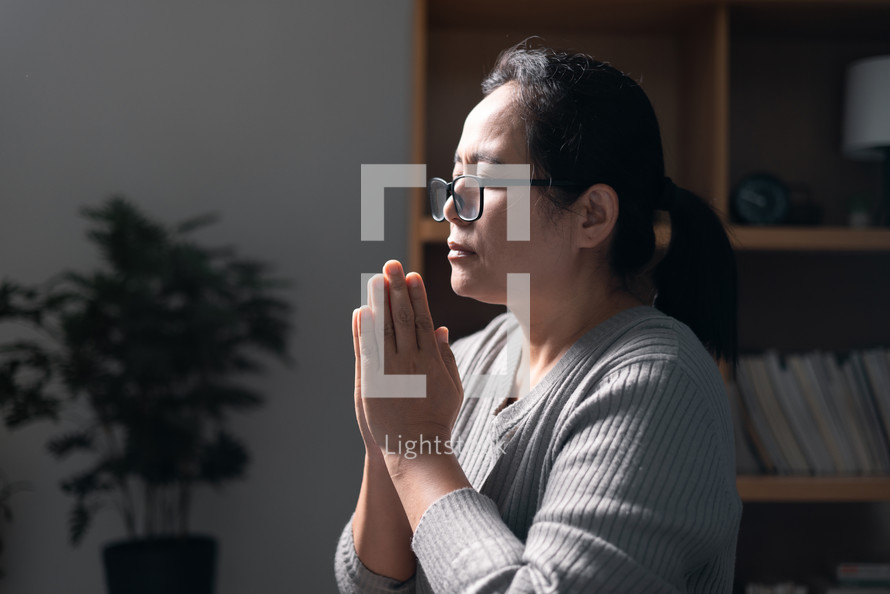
(490, 183)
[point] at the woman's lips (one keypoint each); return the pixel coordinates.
(458, 254)
(459, 250)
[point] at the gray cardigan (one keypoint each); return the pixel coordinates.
(614, 474)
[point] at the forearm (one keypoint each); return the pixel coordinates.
(380, 527)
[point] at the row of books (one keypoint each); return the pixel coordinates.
(863, 574)
(852, 578)
(793, 588)
(815, 413)
(779, 588)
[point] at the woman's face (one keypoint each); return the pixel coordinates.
(493, 134)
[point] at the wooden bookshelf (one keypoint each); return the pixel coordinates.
(810, 239)
(812, 489)
(430, 231)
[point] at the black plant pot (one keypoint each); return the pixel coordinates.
(161, 566)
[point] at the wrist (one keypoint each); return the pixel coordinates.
(418, 463)
(424, 479)
(374, 460)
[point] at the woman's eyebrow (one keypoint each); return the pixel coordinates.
(479, 157)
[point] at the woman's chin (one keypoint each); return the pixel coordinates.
(464, 287)
(459, 285)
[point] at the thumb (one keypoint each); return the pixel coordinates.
(447, 355)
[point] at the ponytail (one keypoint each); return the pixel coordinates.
(695, 281)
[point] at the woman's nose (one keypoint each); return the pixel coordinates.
(450, 212)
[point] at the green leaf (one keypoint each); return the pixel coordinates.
(19, 302)
(223, 459)
(65, 444)
(78, 521)
(29, 406)
(89, 481)
(197, 222)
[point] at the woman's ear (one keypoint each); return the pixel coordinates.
(597, 208)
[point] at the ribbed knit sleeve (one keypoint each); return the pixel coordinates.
(353, 577)
(638, 499)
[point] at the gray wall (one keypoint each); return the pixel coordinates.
(262, 111)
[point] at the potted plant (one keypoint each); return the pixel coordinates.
(149, 350)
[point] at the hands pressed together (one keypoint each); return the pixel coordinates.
(385, 413)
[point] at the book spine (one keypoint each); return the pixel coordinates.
(775, 416)
(871, 373)
(872, 420)
(836, 416)
(799, 417)
(757, 427)
(854, 425)
(818, 410)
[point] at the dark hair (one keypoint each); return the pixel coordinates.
(587, 121)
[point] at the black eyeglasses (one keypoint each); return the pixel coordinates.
(467, 191)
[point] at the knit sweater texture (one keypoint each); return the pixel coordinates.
(615, 473)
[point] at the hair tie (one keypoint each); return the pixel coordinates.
(666, 200)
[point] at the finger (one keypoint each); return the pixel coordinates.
(401, 311)
(375, 295)
(379, 306)
(369, 353)
(356, 347)
(448, 355)
(356, 344)
(423, 321)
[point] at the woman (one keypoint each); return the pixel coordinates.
(613, 471)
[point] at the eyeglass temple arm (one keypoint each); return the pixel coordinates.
(497, 183)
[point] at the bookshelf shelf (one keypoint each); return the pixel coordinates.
(812, 489)
(810, 239)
